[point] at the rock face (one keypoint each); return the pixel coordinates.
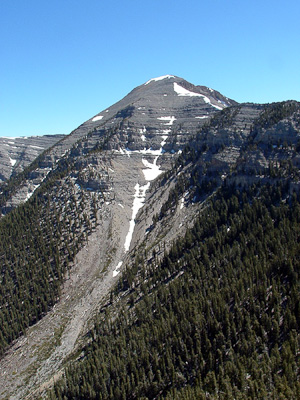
(18, 153)
(156, 155)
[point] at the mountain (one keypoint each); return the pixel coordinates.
(167, 109)
(142, 249)
(17, 153)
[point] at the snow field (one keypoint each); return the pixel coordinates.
(181, 91)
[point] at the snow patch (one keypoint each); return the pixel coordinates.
(116, 271)
(12, 161)
(217, 107)
(152, 171)
(163, 142)
(143, 130)
(160, 78)
(181, 91)
(127, 151)
(204, 116)
(182, 203)
(31, 193)
(184, 92)
(138, 202)
(143, 137)
(97, 118)
(170, 119)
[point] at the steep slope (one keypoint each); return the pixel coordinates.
(17, 153)
(126, 183)
(217, 317)
(215, 313)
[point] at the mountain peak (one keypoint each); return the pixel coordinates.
(168, 94)
(159, 78)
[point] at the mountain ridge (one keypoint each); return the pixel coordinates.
(17, 153)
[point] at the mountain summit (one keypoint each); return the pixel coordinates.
(170, 93)
(166, 101)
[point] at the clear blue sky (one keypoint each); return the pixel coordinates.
(64, 61)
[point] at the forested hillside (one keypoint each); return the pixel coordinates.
(39, 241)
(217, 318)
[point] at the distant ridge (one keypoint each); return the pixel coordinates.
(17, 153)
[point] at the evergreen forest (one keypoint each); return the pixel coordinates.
(216, 318)
(39, 240)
